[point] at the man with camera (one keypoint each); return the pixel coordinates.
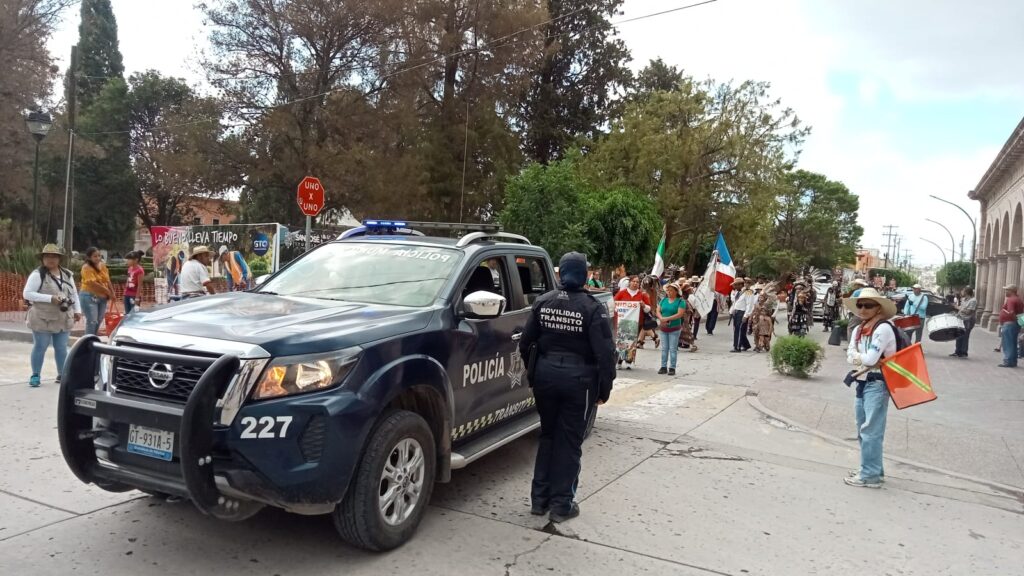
(51, 291)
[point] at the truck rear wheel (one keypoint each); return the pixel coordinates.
(392, 484)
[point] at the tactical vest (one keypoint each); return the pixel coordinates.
(47, 316)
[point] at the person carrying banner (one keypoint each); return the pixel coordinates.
(571, 368)
(632, 293)
(872, 341)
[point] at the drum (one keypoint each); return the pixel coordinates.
(945, 327)
(907, 322)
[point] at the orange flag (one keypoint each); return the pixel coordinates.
(906, 376)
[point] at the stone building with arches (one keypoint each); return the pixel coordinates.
(1000, 247)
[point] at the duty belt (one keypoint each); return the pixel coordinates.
(565, 359)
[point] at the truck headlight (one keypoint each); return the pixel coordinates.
(300, 374)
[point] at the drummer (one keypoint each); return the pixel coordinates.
(967, 312)
(917, 305)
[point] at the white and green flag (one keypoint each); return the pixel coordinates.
(659, 257)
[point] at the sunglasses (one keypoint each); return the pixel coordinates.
(867, 305)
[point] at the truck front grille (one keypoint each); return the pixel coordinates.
(133, 377)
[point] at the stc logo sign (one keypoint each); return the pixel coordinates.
(260, 244)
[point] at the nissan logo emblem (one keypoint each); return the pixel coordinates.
(160, 375)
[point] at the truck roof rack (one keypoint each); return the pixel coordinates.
(477, 236)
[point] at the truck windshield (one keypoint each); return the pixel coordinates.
(367, 272)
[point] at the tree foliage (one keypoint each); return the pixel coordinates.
(104, 184)
(709, 154)
(27, 73)
(174, 169)
(580, 71)
(816, 220)
(955, 275)
(544, 204)
(623, 227)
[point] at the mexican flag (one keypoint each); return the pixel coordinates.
(725, 272)
(659, 257)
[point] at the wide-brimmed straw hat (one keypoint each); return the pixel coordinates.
(201, 250)
(887, 305)
(738, 281)
(859, 282)
(51, 249)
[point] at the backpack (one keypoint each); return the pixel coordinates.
(902, 341)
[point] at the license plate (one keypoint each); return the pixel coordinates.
(151, 442)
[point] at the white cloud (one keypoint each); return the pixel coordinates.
(913, 49)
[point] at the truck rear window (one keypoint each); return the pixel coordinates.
(368, 272)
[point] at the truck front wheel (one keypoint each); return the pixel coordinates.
(392, 484)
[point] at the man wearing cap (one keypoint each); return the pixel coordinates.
(872, 341)
(236, 269)
(917, 305)
(195, 274)
(1009, 328)
(570, 356)
(742, 306)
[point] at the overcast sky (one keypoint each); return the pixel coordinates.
(906, 98)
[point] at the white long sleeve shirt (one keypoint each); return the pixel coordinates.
(743, 303)
(35, 283)
(869, 351)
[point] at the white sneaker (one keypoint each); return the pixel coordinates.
(856, 481)
(856, 472)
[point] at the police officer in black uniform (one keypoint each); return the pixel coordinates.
(570, 356)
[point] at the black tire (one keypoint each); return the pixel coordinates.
(591, 419)
(358, 519)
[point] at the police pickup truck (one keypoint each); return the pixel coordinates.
(346, 383)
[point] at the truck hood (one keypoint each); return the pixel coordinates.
(282, 325)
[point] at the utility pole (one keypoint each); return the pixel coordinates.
(961, 247)
(889, 235)
(66, 241)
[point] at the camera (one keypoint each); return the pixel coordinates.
(65, 303)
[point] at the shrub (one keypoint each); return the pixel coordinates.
(843, 322)
(795, 356)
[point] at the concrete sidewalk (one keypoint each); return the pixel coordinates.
(974, 428)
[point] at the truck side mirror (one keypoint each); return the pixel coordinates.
(483, 305)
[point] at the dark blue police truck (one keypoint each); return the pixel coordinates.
(346, 383)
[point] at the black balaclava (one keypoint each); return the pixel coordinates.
(572, 270)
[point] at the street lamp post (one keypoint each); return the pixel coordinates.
(952, 254)
(39, 124)
(974, 240)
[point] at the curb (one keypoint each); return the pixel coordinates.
(755, 403)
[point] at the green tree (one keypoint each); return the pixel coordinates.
(622, 225)
(816, 220)
(581, 69)
(27, 74)
(544, 204)
(708, 153)
(955, 275)
(657, 76)
(104, 184)
(175, 168)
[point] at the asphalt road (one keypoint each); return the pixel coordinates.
(683, 476)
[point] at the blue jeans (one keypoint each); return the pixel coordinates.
(94, 308)
(41, 341)
(129, 304)
(872, 410)
(669, 348)
(1010, 332)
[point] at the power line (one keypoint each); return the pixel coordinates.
(488, 45)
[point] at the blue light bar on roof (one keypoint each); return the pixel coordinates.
(384, 224)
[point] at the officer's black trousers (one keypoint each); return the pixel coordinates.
(739, 331)
(563, 388)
